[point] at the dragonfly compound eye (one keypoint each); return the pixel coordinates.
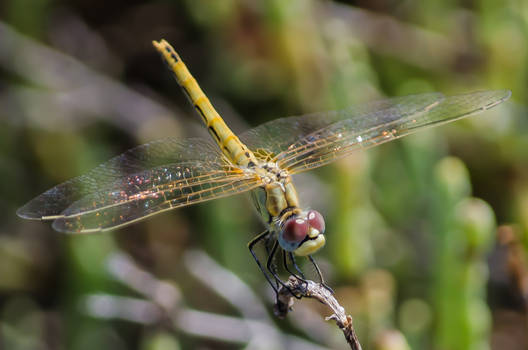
(295, 230)
(316, 220)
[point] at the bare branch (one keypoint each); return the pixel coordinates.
(310, 289)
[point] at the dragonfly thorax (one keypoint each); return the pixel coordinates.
(270, 172)
(279, 193)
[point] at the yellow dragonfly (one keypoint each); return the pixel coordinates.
(172, 173)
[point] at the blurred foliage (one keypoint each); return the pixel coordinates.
(427, 235)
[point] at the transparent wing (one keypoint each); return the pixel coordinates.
(277, 135)
(343, 137)
(343, 132)
(143, 181)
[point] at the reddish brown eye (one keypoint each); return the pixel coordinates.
(316, 220)
(295, 230)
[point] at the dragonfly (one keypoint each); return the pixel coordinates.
(173, 173)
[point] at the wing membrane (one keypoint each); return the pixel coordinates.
(169, 173)
(342, 138)
(143, 181)
(277, 135)
(339, 133)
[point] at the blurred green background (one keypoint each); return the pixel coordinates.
(427, 235)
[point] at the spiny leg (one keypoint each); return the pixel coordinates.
(285, 263)
(292, 258)
(269, 263)
(321, 279)
(271, 269)
(269, 244)
(251, 244)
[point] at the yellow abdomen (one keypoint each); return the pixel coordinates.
(228, 142)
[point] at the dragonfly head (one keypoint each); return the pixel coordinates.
(303, 234)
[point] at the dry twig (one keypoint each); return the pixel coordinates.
(310, 289)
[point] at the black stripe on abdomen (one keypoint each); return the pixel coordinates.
(213, 132)
(200, 112)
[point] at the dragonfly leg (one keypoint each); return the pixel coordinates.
(273, 272)
(321, 279)
(285, 263)
(251, 244)
(292, 258)
(269, 245)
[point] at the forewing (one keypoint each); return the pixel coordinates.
(143, 181)
(279, 134)
(409, 115)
